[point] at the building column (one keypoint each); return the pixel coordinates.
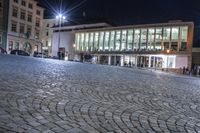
(122, 58)
(154, 62)
(149, 61)
(115, 60)
(98, 59)
(109, 59)
(135, 60)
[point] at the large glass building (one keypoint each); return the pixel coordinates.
(165, 45)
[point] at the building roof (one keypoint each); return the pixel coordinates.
(84, 24)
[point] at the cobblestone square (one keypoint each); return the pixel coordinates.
(51, 96)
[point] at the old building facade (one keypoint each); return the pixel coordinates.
(24, 26)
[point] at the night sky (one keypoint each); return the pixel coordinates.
(126, 12)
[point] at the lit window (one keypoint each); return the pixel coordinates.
(151, 33)
(77, 41)
(158, 39)
(86, 41)
(143, 39)
(175, 33)
(130, 40)
(124, 33)
(112, 40)
(137, 36)
(96, 41)
(184, 38)
(106, 40)
(118, 40)
(91, 41)
(101, 40)
(166, 37)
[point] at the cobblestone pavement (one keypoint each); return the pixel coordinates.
(44, 95)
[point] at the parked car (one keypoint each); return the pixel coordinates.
(2, 51)
(37, 54)
(19, 52)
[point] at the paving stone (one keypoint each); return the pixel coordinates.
(51, 96)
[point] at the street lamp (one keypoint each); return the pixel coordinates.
(59, 17)
(167, 59)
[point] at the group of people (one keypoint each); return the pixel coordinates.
(61, 55)
(187, 71)
(195, 70)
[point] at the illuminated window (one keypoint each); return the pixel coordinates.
(101, 40)
(184, 38)
(130, 40)
(124, 38)
(136, 39)
(151, 33)
(112, 40)
(91, 41)
(96, 41)
(118, 40)
(82, 41)
(86, 41)
(158, 39)
(106, 41)
(143, 39)
(175, 33)
(166, 37)
(77, 41)
(174, 38)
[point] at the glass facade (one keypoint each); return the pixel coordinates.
(150, 38)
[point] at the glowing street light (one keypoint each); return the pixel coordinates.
(168, 51)
(59, 17)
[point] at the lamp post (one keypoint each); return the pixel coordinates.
(74, 50)
(60, 17)
(167, 59)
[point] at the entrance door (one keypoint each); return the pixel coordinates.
(61, 53)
